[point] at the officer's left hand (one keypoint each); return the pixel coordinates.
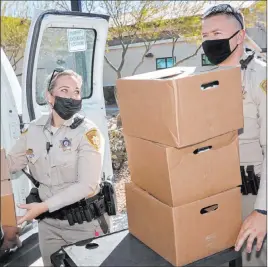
(253, 227)
(33, 210)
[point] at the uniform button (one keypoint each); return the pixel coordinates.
(47, 174)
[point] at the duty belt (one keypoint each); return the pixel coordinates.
(84, 210)
(250, 181)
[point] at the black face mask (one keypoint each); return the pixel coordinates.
(218, 50)
(66, 107)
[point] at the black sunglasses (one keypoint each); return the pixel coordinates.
(224, 9)
(55, 71)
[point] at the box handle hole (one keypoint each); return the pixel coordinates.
(202, 149)
(206, 86)
(209, 209)
(91, 246)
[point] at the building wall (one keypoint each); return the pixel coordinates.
(259, 36)
(135, 53)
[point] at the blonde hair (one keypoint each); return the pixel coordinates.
(51, 81)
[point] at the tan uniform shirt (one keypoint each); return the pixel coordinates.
(252, 139)
(71, 170)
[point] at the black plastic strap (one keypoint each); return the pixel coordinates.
(244, 62)
(103, 224)
(35, 183)
(77, 122)
(244, 187)
(250, 181)
(109, 198)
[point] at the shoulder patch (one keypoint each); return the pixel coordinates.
(263, 86)
(93, 138)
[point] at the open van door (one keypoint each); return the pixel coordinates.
(10, 126)
(72, 40)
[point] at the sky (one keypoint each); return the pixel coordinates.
(20, 8)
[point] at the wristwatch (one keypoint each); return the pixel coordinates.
(264, 212)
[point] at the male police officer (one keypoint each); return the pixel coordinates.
(223, 32)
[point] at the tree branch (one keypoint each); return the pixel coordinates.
(174, 41)
(9, 58)
(148, 47)
(89, 5)
(194, 54)
(16, 62)
(123, 58)
(63, 5)
(110, 63)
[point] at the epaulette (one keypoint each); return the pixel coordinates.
(244, 62)
(78, 120)
(24, 130)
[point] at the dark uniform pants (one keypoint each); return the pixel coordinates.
(53, 234)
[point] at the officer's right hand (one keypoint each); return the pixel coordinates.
(254, 227)
(33, 211)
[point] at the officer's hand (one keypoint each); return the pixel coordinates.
(11, 237)
(253, 227)
(33, 210)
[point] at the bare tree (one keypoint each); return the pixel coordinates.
(185, 23)
(148, 46)
(88, 6)
(62, 5)
(128, 23)
(150, 32)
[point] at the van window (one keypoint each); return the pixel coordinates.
(69, 49)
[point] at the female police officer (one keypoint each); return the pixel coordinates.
(65, 160)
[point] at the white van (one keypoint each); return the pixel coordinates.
(72, 40)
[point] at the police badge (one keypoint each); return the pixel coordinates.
(65, 144)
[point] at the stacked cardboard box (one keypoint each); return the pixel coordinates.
(180, 127)
(8, 213)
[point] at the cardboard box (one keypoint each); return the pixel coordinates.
(5, 175)
(6, 187)
(8, 212)
(172, 107)
(183, 235)
(180, 176)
